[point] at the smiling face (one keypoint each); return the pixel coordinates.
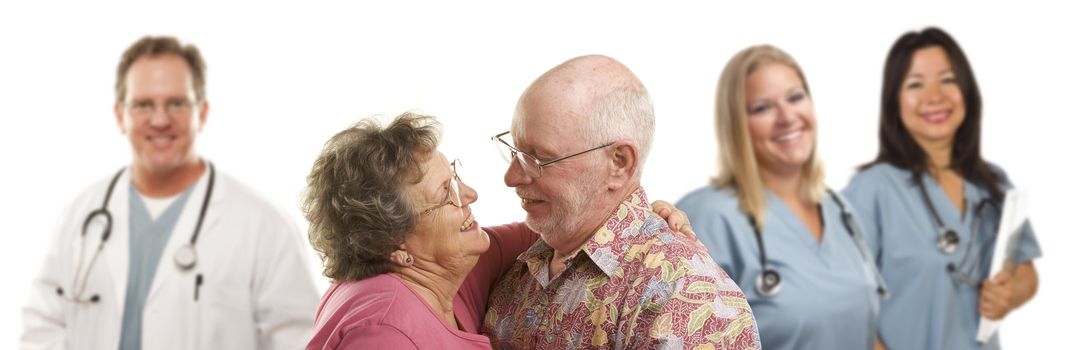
(931, 103)
(448, 234)
(781, 118)
(554, 202)
(161, 132)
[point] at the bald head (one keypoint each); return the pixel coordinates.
(585, 77)
(591, 120)
(593, 99)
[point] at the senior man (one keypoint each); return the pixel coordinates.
(607, 272)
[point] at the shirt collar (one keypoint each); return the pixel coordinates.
(629, 224)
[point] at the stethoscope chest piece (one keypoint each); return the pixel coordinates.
(769, 283)
(947, 241)
(185, 257)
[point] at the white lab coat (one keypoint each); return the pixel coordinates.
(257, 290)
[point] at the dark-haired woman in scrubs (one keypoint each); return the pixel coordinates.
(933, 204)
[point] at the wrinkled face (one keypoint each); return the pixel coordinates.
(555, 202)
(448, 233)
(931, 103)
(160, 114)
(781, 118)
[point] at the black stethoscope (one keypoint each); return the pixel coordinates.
(184, 258)
(948, 239)
(769, 282)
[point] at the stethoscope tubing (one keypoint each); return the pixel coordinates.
(947, 235)
(768, 284)
(78, 289)
(184, 264)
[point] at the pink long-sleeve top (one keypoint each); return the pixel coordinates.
(382, 312)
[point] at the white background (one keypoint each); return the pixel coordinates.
(283, 79)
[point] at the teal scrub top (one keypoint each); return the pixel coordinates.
(929, 307)
(148, 239)
(828, 298)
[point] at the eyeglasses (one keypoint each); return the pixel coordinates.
(454, 190)
(173, 107)
(530, 164)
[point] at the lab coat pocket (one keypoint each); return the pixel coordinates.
(195, 315)
(224, 316)
(86, 327)
(92, 325)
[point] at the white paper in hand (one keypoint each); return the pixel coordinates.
(1012, 216)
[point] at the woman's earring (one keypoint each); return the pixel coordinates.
(402, 258)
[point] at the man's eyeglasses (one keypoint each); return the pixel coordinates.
(454, 195)
(533, 166)
(173, 108)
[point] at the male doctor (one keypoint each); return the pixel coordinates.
(170, 253)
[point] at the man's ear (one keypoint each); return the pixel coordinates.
(624, 156)
(204, 108)
(118, 117)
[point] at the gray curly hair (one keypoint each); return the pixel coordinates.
(357, 202)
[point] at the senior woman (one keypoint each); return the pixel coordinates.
(790, 244)
(392, 222)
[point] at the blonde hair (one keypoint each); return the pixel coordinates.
(737, 158)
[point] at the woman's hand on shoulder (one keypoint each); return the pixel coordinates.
(677, 219)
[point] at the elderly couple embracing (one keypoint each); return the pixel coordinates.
(594, 265)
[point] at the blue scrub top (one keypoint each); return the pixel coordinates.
(828, 298)
(148, 239)
(929, 308)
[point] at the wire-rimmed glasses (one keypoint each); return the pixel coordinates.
(530, 164)
(454, 196)
(176, 107)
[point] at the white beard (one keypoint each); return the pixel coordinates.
(567, 211)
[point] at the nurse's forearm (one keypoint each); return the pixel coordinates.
(1025, 284)
(878, 344)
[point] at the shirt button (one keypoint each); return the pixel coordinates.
(951, 267)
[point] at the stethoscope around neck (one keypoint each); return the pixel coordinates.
(184, 257)
(769, 283)
(948, 240)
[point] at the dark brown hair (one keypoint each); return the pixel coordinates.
(897, 147)
(151, 46)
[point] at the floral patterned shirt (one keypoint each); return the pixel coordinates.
(634, 285)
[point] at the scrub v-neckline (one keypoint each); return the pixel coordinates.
(793, 224)
(943, 205)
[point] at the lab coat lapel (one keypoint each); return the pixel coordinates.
(117, 249)
(167, 271)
